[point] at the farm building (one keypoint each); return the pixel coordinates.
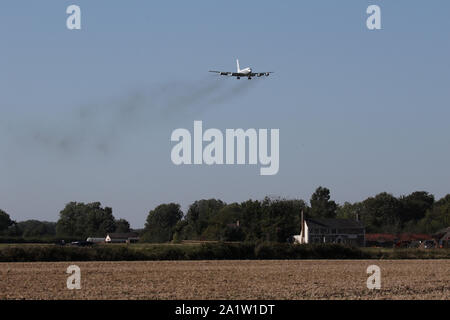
(129, 237)
(389, 240)
(385, 240)
(345, 231)
(443, 237)
(411, 240)
(95, 240)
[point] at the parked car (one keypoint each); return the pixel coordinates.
(414, 244)
(82, 243)
(429, 244)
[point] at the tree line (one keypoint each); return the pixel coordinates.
(76, 220)
(270, 219)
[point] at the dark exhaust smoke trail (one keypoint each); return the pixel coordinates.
(100, 125)
(233, 92)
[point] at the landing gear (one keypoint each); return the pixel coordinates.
(238, 78)
(249, 78)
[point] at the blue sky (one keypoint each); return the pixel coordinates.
(87, 115)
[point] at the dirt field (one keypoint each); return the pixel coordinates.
(294, 279)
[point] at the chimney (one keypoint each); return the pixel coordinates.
(302, 231)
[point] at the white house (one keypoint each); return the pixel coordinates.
(345, 231)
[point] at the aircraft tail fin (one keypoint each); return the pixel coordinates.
(237, 65)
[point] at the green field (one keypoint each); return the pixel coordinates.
(205, 251)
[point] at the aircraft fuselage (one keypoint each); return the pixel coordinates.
(245, 71)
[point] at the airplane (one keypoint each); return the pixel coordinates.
(246, 72)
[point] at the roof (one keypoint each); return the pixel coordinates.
(413, 237)
(443, 232)
(387, 237)
(123, 235)
(334, 223)
(380, 237)
(445, 236)
(232, 225)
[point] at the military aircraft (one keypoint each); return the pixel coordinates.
(246, 72)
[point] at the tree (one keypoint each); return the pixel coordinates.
(5, 221)
(269, 220)
(232, 233)
(182, 231)
(382, 213)
(416, 205)
(321, 205)
(223, 224)
(436, 218)
(280, 219)
(85, 220)
(161, 222)
(251, 219)
(122, 226)
(36, 229)
(199, 215)
(350, 211)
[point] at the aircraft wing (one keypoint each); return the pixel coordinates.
(235, 74)
(260, 74)
(223, 73)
